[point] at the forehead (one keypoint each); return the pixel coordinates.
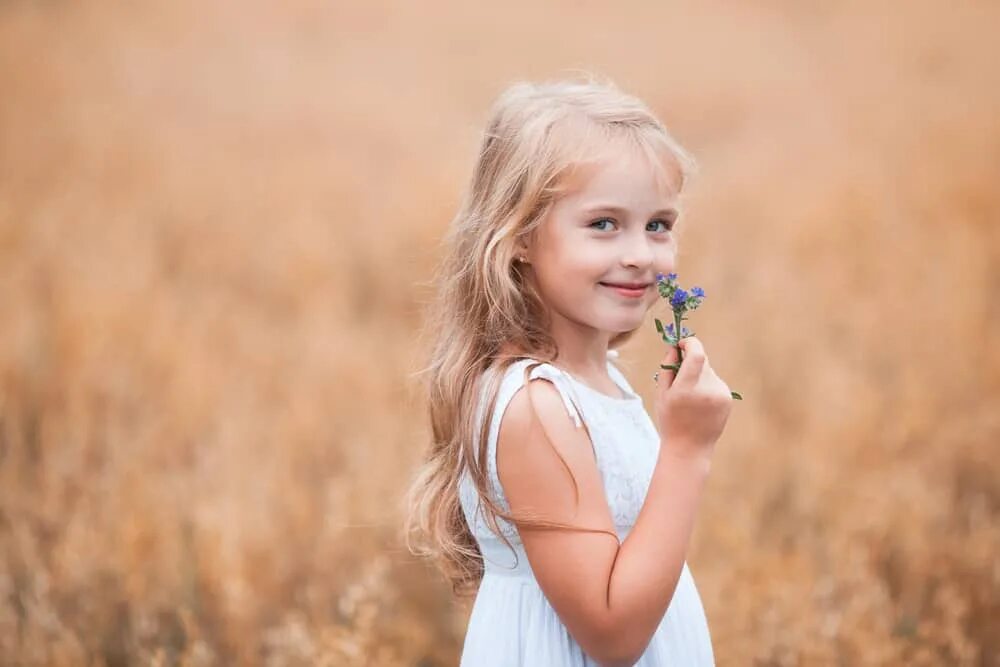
(619, 166)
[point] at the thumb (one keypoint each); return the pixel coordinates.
(694, 360)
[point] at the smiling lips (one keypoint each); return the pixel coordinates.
(632, 290)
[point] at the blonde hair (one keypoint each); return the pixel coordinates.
(536, 134)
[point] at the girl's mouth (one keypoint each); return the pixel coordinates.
(632, 291)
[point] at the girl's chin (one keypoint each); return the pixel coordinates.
(621, 325)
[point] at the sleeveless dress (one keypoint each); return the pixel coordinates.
(512, 623)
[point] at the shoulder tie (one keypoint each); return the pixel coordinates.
(566, 391)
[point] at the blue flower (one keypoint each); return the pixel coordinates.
(679, 298)
(698, 292)
(670, 328)
(659, 277)
(671, 276)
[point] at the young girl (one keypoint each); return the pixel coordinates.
(551, 265)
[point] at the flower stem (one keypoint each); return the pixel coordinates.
(677, 336)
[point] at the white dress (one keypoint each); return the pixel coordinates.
(512, 623)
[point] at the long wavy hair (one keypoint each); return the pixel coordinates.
(487, 312)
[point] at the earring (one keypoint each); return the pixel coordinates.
(522, 259)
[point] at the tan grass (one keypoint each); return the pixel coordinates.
(214, 223)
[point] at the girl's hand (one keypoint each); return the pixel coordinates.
(691, 405)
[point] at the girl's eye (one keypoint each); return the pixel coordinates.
(597, 222)
(667, 225)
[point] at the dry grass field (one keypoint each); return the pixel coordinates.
(217, 225)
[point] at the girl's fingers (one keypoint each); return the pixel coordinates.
(666, 375)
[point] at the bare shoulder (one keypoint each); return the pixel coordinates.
(538, 440)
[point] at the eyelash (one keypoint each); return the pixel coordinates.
(669, 225)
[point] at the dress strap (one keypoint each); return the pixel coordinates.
(618, 377)
(566, 391)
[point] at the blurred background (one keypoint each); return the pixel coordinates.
(217, 225)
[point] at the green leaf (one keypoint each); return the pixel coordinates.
(659, 325)
(736, 396)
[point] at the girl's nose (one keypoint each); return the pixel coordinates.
(638, 254)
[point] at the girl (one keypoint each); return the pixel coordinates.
(552, 258)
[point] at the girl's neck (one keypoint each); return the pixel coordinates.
(590, 366)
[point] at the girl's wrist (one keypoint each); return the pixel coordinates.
(693, 456)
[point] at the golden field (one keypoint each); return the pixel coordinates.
(218, 222)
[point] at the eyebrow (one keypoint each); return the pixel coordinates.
(598, 208)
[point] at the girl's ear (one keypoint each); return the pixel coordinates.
(521, 252)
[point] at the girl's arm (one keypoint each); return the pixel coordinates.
(611, 598)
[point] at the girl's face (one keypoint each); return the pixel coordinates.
(614, 226)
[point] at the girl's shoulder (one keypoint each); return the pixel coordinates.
(524, 369)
